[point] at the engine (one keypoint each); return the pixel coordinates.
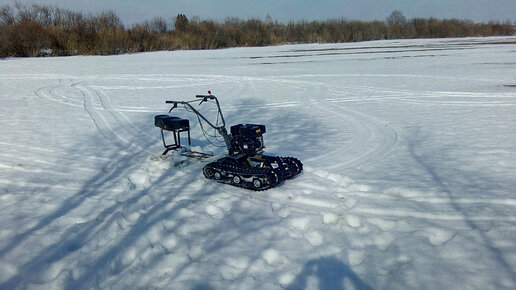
(247, 139)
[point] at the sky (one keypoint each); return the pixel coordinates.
(135, 11)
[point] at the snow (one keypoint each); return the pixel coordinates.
(409, 181)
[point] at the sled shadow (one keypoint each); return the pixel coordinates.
(202, 286)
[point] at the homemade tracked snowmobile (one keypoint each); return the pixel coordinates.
(244, 165)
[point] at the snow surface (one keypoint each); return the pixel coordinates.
(410, 169)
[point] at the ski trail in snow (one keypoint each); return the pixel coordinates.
(46, 93)
(370, 138)
(123, 121)
(34, 162)
(15, 146)
(52, 94)
(345, 94)
(102, 126)
(101, 120)
(382, 138)
(306, 194)
(432, 216)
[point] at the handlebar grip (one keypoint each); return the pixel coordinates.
(169, 102)
(211, 97)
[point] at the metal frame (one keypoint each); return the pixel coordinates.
(177, 139)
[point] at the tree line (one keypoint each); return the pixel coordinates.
(41, 30)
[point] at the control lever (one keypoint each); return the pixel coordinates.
(204, 99)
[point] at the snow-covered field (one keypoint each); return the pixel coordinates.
(409, 150)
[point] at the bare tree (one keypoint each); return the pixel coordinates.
(6, 15)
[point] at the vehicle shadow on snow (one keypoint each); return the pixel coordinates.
(331, 274)
(89, 190)
(109, 243)
(458, 183)
(75, 237)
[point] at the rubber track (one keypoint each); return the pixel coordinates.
(267, 176)
(294, 166)
(289, 167)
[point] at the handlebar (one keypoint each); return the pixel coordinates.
(203, 97)
(187, 104)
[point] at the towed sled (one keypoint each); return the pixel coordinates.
(245, 164)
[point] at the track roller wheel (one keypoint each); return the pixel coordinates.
(257, 183)
(237, 179)
(208, 173)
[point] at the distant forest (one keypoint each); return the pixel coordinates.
(40, 30)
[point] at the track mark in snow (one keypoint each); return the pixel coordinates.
(48, 273)
(351, 204)
(195, 252)
(214, 211)
(120, 118)
(125, 260)
(387, 225)
(25, 147)
(330, 218)
(20, 153)
(7, 271)
(380, 137)
(440, 98)
(273, 257)
(314, 238)
(73, 187)
(353, 221)
(50, 93)
(240, 263)
(264, 106)
(102, 126)
(383, 240)
(356, 257)
(101, 119)
(407, 213)
(438, 236)
(138, 178)
(300, 223)
(280, 210)
(370, 139)
(313, 202)
(99, 108)
(286, 279)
